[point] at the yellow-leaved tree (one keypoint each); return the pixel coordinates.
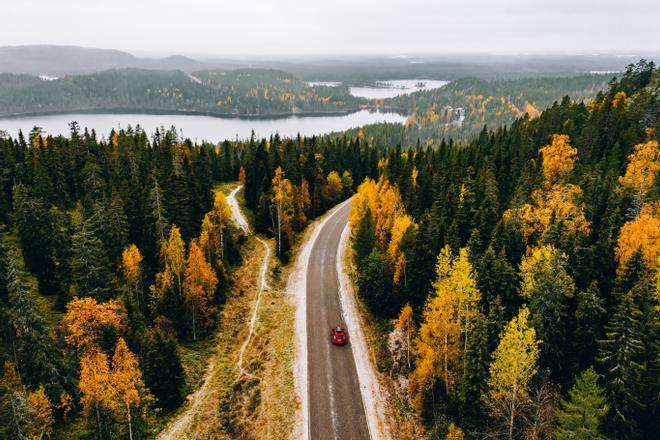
(220, 217)
(454, 432)
(558, 159)
(283, 201)
(642, 232)
(513, 366)
(558, 201)
(41, 411)
(364, 197)
(643, 167)
(131, 262)
(333, 188)
(406, 323)
(401, 226)
(95, 385)
(199, 288)
(438, 350)
(174, 252)
(126, 381)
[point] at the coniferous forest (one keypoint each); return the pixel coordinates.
(513, 277)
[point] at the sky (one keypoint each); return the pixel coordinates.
(276, 27)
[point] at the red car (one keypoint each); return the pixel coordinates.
(338, 335)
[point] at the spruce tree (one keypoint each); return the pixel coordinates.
(37, 356)
(581, 415)
(163, 373)
(589, 316)
(620, 355)
(364, 238)
(90, 268)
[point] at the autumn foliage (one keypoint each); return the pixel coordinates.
(199, 289)
(643, 233)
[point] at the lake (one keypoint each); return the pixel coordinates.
(396, 88)
(388, 88)
(200, 128)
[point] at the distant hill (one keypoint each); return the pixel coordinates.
(58, 61)
(235, 92)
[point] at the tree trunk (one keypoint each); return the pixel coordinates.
(446, 365)
(98, 420)
(130, 425)
(467, 311)
(513, 409)
(279, 229)
(194, 329)
(408, 346)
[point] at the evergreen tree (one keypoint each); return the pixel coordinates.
(581, 415)
(37, 356)
(375, 284)
(620, 355)
(364, 238)
(90, 268)
(163, 373)
(589, 316)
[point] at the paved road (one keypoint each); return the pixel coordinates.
(336, 411)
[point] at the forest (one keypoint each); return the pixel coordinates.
(462, 108)
(513, 276)
(240, 92)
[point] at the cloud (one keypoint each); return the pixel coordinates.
(334, 26)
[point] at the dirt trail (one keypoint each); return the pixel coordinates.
(177, 428)
(253, 320)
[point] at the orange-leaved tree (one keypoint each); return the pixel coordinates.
(95, 384)
(86, 319)
(126, 381)
(199, 288)
(643, 232)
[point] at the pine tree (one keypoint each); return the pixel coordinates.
(581, 414)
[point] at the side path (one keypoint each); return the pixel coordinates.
(177, 427)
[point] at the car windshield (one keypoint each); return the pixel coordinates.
(338, 329)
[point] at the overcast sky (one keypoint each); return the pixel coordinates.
(259, 27)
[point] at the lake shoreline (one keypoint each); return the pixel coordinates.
(158, 112)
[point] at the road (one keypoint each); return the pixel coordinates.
(336, 411)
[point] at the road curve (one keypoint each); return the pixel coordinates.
(336, 410)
